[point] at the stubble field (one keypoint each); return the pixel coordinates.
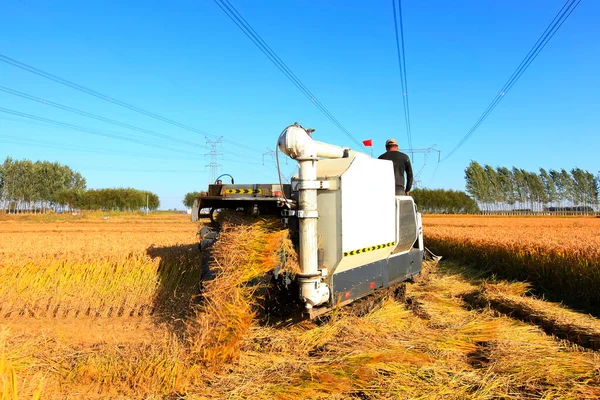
(95, 307)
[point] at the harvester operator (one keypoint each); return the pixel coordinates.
(401, 166)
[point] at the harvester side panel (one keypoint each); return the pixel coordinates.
(356, 214)
(369, 235)
(407, 224)
(361, 281)
(329, 203)
(367, 210)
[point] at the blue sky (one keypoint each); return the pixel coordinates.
(187, 61)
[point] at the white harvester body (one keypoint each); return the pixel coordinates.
(353, 234)
(369, 238)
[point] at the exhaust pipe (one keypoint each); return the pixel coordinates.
(297, 144)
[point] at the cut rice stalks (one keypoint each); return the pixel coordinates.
(247, 250)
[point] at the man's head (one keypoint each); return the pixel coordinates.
(391, 145)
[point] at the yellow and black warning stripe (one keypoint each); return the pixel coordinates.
(367, 249)
(243, 191)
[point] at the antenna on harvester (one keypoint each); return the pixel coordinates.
(213, 153)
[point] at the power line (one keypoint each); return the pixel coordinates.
(270, 153)
(91, 92)
(140, 170)
(65, 146)
(116, 53)
(35, 142)
(245, 162)
(247, 29)
(550, 31)
(427, 152)
(402, 67)
(93, 131)
(96, 117)
(108, 120)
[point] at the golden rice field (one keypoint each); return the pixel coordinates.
(109, 308)
(101, 267)
(560, 256)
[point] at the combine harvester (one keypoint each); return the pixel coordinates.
(353, 235)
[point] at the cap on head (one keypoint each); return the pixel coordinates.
(391, 142)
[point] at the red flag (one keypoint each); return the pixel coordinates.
(368, 142)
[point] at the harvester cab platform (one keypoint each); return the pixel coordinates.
(353, 235)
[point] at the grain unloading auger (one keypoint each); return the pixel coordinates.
(353, 235)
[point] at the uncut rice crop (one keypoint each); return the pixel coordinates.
(559, 256)
(99, 269)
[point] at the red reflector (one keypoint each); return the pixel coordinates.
(277, 194)
(372, 285)
(347, 295)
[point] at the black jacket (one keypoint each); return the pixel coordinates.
(401, 165)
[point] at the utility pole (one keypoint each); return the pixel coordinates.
(213, 153)
(427, 152)
(273, 154)
(270, 153)
(147, 203)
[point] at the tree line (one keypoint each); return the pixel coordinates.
(504, 190)
(441, 201)
(27, 186)
(189, 198)
(111, 199)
